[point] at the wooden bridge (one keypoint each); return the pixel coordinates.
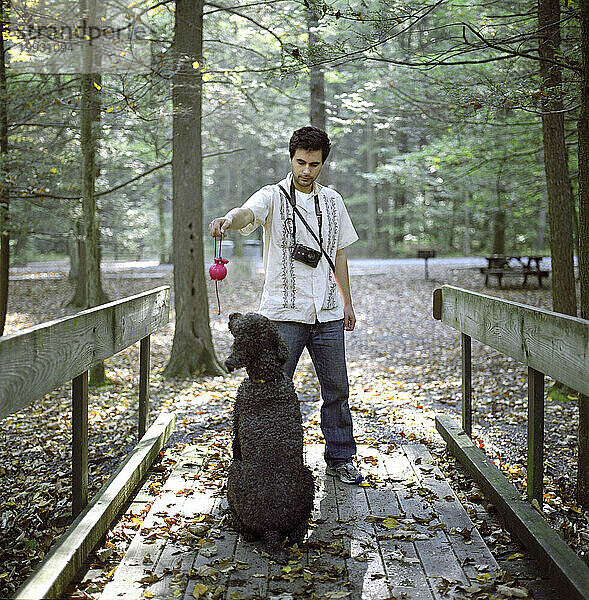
(405, 536)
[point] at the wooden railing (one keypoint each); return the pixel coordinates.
(36, 361)
(550, 344)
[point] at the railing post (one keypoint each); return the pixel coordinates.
(79, 443)
(144, 368)
(466, 385)
(535, 483)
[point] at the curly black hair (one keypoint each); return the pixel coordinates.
(309, 138)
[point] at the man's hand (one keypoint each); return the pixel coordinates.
(217, 227)
(342, 279)
(236, 218)
(349, 318)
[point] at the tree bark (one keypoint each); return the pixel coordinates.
(192, 349)
(451, 229)
(161, 200)
(500, 219)
(74, 258)
(560, 201)
(317, 108)
(94, 293)
(583, 133)
(384, 237)
(89, 135)
(4, 192)
(238, 238)
(372, 191)
(466, 241)
(79, 298)
(400, 194)
(540, 228)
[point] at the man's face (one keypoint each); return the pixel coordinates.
(306, 166)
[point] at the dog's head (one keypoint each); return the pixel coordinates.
(256, 340)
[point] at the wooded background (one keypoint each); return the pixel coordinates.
(434, 110)
(459, 126)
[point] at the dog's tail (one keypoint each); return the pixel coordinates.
(273, 543)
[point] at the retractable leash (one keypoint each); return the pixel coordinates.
(218, 271)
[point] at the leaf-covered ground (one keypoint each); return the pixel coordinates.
(403, 368)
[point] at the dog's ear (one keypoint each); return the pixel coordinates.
(232, 318)
(281, 349)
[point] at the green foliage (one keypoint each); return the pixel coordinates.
(443, 101)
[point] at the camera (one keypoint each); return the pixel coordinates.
(306, 255)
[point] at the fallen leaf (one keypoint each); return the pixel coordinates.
(151, 578)
(200, 589)
(512, 592)
(515, 556)
(390, 523)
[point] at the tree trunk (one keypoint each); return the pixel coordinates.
(583, 133)
(72, 250)
(90, 118)
(500, 221)
(540, 229)
(400, 194)
(385, 221)
(192, 349)
(317, 112)
(400, 202)
(372, 200)
(238, 238)
(467, 209)
(560, 201)
(451, 229)
(88, 140)
(4, 192)
(79, 298)
(161, 200)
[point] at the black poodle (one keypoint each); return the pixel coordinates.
(269, 490)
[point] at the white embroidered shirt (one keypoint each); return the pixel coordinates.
(294, 291)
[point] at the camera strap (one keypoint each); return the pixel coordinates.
(292, 200)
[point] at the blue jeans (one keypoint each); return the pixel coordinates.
(325, 343)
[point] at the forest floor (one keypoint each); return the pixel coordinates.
(404, 367)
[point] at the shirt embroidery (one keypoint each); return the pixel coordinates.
(330, 211)
(332, 226)
(287, 263)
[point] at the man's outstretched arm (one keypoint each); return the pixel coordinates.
(236, 218)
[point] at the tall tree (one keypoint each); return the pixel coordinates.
(4, 192)
(583, 133)
(89, 135)
(317, 105)
(192, 349)
(500, 216)
(560, 199)
(89, 290)
(372, 195)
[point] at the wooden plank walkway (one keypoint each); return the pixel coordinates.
(407, 536)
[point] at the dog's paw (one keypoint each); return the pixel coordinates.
(231, 364)
(279, 557)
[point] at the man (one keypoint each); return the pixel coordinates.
(302, 299)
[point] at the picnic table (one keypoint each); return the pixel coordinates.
(502, 265)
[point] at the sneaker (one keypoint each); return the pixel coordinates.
(345, 472)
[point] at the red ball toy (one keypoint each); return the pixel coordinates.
(218, 271)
